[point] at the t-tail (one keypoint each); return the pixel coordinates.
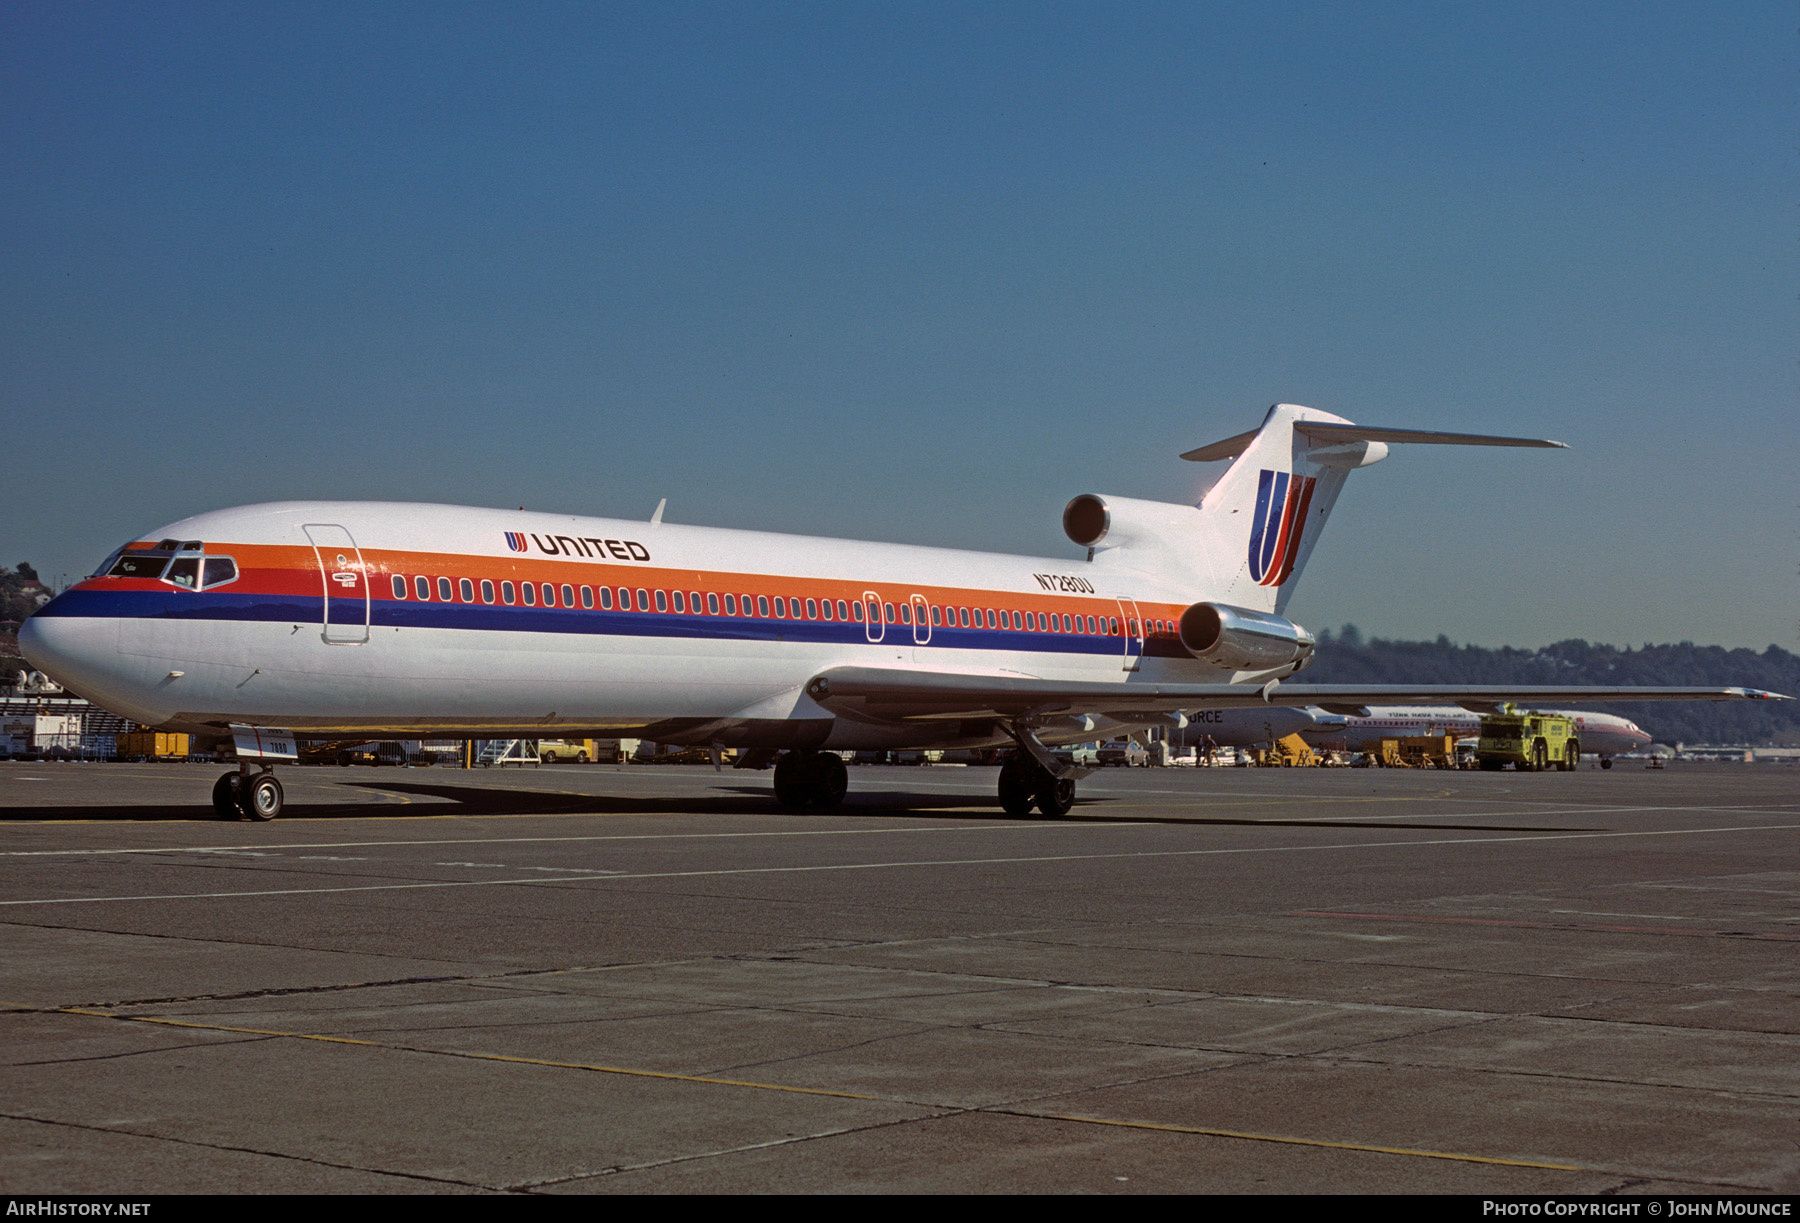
(1244, 546)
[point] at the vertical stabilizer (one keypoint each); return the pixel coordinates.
(1261, 520)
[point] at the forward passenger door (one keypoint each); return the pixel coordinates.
(345, 581)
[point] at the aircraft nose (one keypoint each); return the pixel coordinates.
(82, 654)
(62, 647)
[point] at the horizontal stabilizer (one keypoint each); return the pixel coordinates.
(1324, 433)
(1230, 448)
(1329, 434)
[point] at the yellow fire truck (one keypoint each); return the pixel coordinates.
(1530, 742)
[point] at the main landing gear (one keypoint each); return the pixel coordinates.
(1025, 783)
(1034, 777)
(811, 779)
(244, 795)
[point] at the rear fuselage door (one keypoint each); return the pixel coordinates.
(1133, 629)
(874, 625)
(921, 627)
(345, 580)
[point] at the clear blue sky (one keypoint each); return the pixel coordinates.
(923, 273)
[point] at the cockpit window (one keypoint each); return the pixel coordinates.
(218, 571)
(184, 572)
(139, 565)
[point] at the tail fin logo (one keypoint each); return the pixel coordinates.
(1281, 503)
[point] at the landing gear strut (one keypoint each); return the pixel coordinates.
(244, 795)
(811, 779)
(1024, 783)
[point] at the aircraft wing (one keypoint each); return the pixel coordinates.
(883, 694)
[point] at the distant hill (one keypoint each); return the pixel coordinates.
(1346, 658)
(20, 594)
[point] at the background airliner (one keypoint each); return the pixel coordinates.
(1601, 734)
(336, 619)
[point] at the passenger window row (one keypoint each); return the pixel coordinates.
(778, 607)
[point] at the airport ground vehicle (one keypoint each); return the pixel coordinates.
(151, 745)
(1530, 742)
(1417, 752)
(335, 620)
(387, 752)
(1290, 751)
(553, 751)
(1122, 753)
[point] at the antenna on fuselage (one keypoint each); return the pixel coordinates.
(656, 518)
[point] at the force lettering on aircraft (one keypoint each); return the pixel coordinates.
(586, 545)
(1207, 715)
(1056, 581)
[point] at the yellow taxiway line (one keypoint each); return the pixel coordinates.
(711, 1080)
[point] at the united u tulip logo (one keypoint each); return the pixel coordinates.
(1281, 502)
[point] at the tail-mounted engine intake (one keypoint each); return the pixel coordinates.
(1237, 639)
(1086, 520)
(1096, 521)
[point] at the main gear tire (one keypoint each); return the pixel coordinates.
(1055, 795)
(1017, 793)
(831, 781)
(794, 779)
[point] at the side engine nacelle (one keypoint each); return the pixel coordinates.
(1237, 639)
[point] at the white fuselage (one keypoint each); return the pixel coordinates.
(365, 618)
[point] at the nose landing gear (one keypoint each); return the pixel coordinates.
(246, 796)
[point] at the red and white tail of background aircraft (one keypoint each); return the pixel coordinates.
(326, 620)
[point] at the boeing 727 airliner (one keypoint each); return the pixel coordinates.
(322, 620)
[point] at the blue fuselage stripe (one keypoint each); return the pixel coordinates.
(392, 613)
